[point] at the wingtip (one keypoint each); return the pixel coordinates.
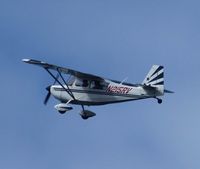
(25, 60)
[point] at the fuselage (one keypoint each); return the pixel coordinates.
(101, 93)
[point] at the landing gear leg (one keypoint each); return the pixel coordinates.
(85, 114)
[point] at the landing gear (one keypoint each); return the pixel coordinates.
(159, 100)
(85, 114)
(62, 108)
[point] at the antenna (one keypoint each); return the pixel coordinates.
(125, 79)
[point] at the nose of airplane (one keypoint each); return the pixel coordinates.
(48, 88)
(54, 89)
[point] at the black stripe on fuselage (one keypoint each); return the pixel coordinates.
(104, 103)
(96, 92)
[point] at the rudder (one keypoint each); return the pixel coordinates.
(155, 78)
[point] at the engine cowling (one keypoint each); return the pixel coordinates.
(62, 108)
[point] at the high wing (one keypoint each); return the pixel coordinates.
(63, 70)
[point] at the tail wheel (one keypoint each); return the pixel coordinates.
(159, 101)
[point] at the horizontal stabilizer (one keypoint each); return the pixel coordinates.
(168, 91)
(149, 87)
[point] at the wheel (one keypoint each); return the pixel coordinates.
(159, 101)
(84, 117)
(62, 112)
(85, 114)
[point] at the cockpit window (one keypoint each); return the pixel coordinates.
(82, 83)
(85, 83)
(71, 81)
(94, 84)
(98, 85)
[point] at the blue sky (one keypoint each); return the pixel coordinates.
(114, 39)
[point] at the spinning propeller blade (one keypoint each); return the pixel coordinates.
(48, 88)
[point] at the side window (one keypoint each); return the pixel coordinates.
(81, 83)
(98, 85)
(71, 81)
(85, 83)
(104, 85)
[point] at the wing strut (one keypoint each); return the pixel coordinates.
(68, 89)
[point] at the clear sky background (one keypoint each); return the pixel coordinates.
(110, 38)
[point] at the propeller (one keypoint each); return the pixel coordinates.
(48, 88)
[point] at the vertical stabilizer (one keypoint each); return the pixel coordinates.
(155, 78)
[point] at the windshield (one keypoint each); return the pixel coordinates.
(71, 81)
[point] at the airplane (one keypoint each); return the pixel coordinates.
(90, 90)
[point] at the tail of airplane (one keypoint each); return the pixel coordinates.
(155, 79)
(155, 76)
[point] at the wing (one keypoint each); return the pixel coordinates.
(63, 70)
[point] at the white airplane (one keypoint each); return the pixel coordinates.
(90, 90)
